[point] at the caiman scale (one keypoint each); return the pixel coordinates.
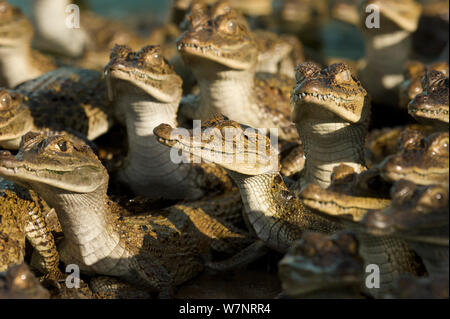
(155, 251)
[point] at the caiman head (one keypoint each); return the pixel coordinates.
(431, 106)
(15, 29)
(416, 213)
(350, 195)
(226, 143)
(395, 15)
(320, 262)
(15, 118)
(145, 70)
(225, 41)
(54, 164)
(412, 86)
(422, 160)
(332, 92)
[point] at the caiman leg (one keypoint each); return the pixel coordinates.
(41, 238)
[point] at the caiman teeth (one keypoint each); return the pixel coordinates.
(203, 49)
(299, 96)
(428, 111)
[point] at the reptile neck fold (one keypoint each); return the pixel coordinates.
(87, 231)
(149, 169)
(277, 217)
(328, 144)
(227, 92)
(17, 65)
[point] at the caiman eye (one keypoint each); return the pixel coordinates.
(5, 101)
(231, 26)
(154, 58)
(62, 145)
(345, 76)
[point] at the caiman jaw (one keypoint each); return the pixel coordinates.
(55, 168)
(432, 103)
(145, 69)
(333, 89)
(223, 40)
(242, 156)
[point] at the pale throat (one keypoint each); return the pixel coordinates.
(328, 144)
(143, 114)
(89, 236)
(16, 65)
(229, 92)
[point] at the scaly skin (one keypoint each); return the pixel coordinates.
(331, 110)
(156, 251)
(419, 215)
(346, 195)
(422, 160)
(275, 215)
(147, 92)
(412, 86)
(222, 54)
(67, 99)
(380, 143)
(18, 61)
(388, 47)
(21, 217)
(323, 266)
(349, 198)
(431, 106)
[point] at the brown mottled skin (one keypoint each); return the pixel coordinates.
(277, 53)
(414, 71)
(422, 160)
(431, 106)
(22, 218)
(331, 111)
(383, 142)
(147, 92)
(419, 215)
(18, 61)
(66, 99)
(350, 206)
(348, 194)
(223, 53)
(155, 251)
(277, 217)
(323, 266)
